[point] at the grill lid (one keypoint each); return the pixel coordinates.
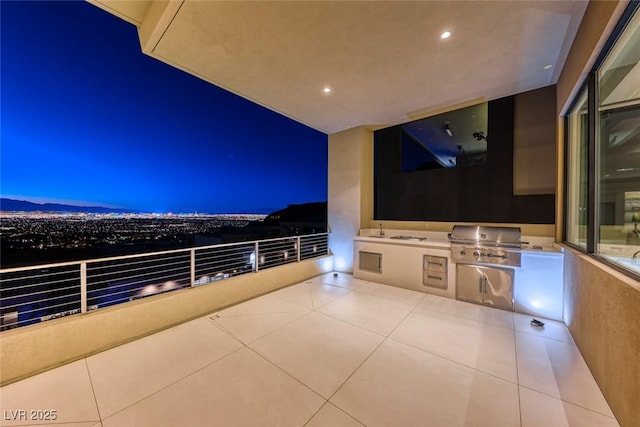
(486, 235)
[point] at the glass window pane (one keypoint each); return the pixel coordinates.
(577, 174)
(618, 173)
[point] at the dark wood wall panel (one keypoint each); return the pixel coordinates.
(480, 193)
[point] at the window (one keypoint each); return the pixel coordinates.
(618, 150)
(603, 210)
(577, 174)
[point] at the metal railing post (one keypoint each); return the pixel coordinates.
(193, 267)
(83, 287)
(256, 257)
(298, 248)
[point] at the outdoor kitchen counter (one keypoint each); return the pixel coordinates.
(397, 259)
(435, 239)
(538, 288)
(438, 242)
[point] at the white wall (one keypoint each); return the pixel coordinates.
(350, 188)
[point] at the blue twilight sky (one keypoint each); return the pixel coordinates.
(86, 118)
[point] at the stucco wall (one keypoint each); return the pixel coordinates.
(598, 22)
(350, 191)
(602, 310)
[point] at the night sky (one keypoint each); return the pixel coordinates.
(88, 119)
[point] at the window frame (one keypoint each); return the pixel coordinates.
(591, 85)
(583, 89)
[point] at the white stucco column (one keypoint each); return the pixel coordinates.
(350, 188)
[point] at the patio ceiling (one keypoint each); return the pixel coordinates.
(384, 61)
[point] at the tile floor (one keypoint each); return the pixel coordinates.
(331, 351)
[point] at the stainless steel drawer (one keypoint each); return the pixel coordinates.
(435, 279)
(434, 271)
(435, 263)
(370, 261)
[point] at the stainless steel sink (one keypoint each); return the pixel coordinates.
(408, 238)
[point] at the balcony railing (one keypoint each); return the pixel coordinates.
(39, 293)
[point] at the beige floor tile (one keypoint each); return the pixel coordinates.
(445, 363)
(540, 410)
(248, 328)
(65, 390)
(376, 314)
(557, 369)
(402, 386)
(322, 294)
(393, 293)
(551, 329)
(479, 313)
(311, 295)
(321, 352)
(482, 346)
(342, 280)
(298, 294)
(89, 424)
(242, 389)
(125, 374)
(330, 416)
(261, 305)
(498, 317)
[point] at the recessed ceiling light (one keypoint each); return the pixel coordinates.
(445, 35)
(326, 89)
(546, 67)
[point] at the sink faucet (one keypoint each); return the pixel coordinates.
(381, 230)
(635, 254)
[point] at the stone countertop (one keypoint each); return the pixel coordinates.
(436, 239)
(405, 239)
(533, 248)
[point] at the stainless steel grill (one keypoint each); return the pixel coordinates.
(486, 245)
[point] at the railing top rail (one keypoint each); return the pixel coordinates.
(148, 254)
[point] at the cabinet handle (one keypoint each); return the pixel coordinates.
(480, 285)
(434, 277)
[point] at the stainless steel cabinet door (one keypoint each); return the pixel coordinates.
(498, 287)
(470, 283)
(370, 261)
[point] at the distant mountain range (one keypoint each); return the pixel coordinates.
(313, 209)
(24, 206)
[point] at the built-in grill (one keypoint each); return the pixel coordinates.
(486, 245)
(484, 258)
